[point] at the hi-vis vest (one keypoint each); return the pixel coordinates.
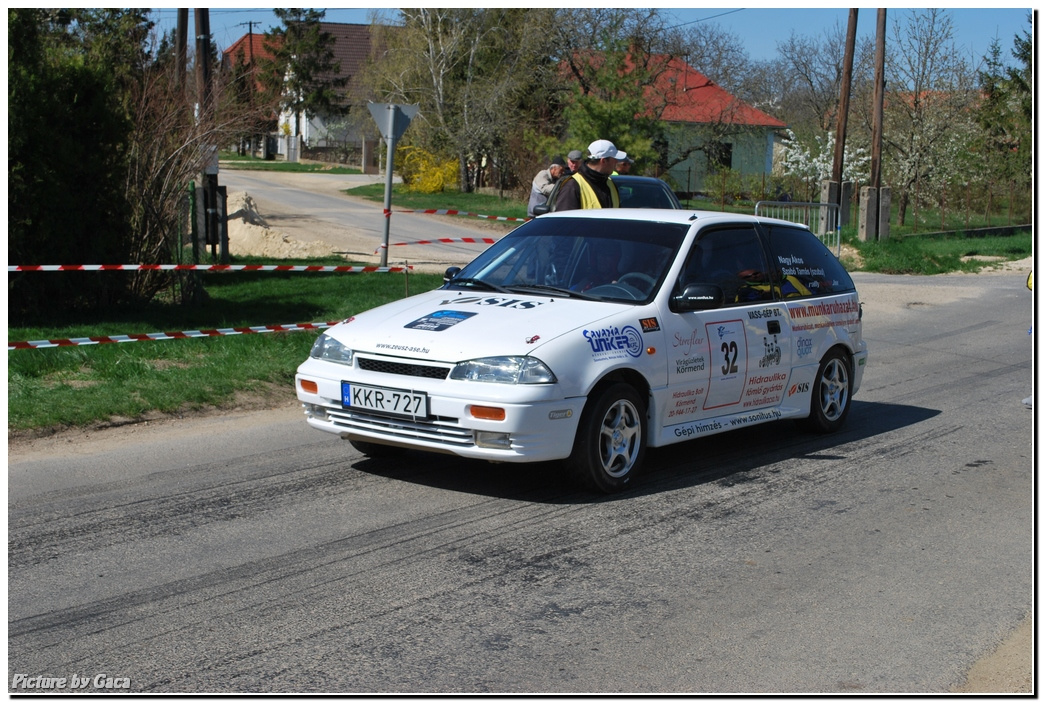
(588, 196)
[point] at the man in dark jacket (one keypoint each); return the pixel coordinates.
(591, 186)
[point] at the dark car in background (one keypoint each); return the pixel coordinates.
(633, 191)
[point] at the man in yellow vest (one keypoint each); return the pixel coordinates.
(591, 186)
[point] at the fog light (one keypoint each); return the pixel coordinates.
(494, 413)
(492, 439)
(315, 411)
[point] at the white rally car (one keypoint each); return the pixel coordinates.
(593, 335)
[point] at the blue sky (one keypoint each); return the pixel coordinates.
(761, 28)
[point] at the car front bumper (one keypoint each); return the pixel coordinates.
(537, 425)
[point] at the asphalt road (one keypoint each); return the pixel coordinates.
(352, 225)
(249, 553)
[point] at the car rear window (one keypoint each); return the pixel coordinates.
(799, 254)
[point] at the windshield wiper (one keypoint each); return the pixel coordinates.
(477, 283)
(552, 289)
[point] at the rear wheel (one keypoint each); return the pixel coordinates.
(831, 393)
(609, 446)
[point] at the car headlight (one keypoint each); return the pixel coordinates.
(329, 349)
(513, 370)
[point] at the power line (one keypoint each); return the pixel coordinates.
(706, 19)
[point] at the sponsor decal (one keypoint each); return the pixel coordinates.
(724, 331)
(764, 390)
(709, 426)
(837, 313)
(684, 402)
(771, 353)
(560, 414)
(440, 320)
(650, 325)
(803, 346)
(612, 342)
(402, 347)
(507, 302)
(693, 364)
(797, 388)
(686, 343)
(531, 339)
(765, 313)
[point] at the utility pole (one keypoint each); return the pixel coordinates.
(215, 233)
(181, 48)
(874, 199)
(847, 81)
(880, 83)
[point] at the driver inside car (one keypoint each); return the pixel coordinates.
(603, 266)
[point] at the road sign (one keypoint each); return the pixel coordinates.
(392, 119)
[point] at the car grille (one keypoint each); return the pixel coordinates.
(395, 368)
(442, 430)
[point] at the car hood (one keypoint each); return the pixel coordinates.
(452, 326)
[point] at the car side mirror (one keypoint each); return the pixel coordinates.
(450, 272)
(698, 296)
(539, 210)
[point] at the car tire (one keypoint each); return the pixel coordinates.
(830, 401)
(609, 445)
(373, 450)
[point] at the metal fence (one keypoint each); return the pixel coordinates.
(821, 217)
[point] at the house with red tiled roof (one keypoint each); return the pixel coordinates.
(352, 48)
(708, 129)
(249, 49)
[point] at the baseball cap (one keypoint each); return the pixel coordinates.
(602, 148)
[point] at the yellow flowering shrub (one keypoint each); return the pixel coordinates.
(423, 172)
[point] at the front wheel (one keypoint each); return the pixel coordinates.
(830, 402)
(609, 446)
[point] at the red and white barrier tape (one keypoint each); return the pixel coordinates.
(160, 336)
(463, 240)
(215, 267)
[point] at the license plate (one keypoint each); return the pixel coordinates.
(384, 400)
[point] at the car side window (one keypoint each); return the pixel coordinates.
(806, 266)
(733, 259)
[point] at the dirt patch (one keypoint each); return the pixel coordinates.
(1008, 669)
(250, 235)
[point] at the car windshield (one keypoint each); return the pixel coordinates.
(596, 259)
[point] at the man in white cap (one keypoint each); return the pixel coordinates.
(591, 186)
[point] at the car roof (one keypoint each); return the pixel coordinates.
(689, 217)
(622, 178)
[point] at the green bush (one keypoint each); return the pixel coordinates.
(65, 181)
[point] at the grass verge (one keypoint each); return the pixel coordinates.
(82, 385)
(940, 253)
